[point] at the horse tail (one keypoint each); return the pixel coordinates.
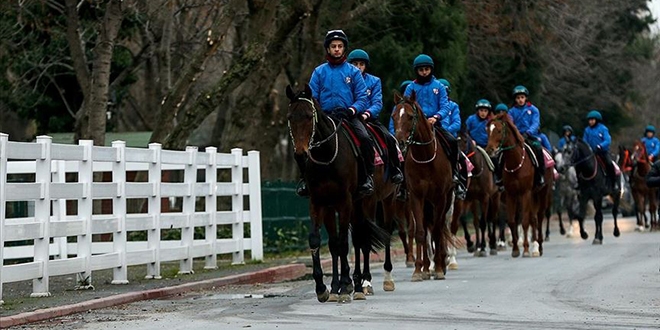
(367, 234)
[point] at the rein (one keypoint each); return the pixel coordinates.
(593, 175)
(410, 141)
(501, 148)
(317, 144)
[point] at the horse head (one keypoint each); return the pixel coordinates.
(639, 154)
(464, 142)
(502, 134)
(409, 120)
(302, 118)
(624, 159)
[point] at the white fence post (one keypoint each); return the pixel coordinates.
(119, 274)
(153, 243)
(42, 215)
(59, 208)
(256, 229)
(237, 205)
(86, 211)
(188, 208)
(211, 207)
(3, 200)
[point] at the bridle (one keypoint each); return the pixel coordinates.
(574, 153)
(410, 141)
(502, 148)
(312, 143)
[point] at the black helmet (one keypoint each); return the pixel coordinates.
(335, 35)
(567, 128)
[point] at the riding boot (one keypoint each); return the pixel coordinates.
(396, 174)
(366, 183)
(402, 194)
(540, 168)
(301, 188)
(461, 182)
(497, 173)
(453, 158)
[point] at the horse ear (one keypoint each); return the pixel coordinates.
(413, 96)
(397, 97)
(308, 90)
(289, 93)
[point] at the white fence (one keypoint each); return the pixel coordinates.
(54, 251)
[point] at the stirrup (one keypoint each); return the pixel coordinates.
(302, 189)
(367, 187)
(397, 178)
(460, 192)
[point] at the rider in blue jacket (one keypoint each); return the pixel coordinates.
(651, 143)
(527, 119)
(432, 97)
(360, 59)
(476, 123)
(597, 136)
(340, 90)
(451, 121)
(568, 136)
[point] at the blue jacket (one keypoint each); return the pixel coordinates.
(452, 121)
(476, 127)
(652, 146)
(562, 142)
(339, 86)
(527, 119)
(596, 136)
(374, 95)
(432, 97)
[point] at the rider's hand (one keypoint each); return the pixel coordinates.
(432, 120)
(366, 115)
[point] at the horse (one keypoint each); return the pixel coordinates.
(324, 154)
(566, 194)
(429, 183)
(640, 191)
(482, 199)
(592, 185)
(518, 178)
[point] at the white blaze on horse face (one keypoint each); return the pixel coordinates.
(402, 112)
(492, 127)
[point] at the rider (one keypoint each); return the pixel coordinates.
(527, 119)
(432, 97)
(597, 136)
(452, 121)
(651, 143)
(501, 107)
(340, 90)
(568, 136)
(476, 123)
(360, 59)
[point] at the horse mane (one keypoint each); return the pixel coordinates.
(505, 118)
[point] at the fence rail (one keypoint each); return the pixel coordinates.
(55, 221)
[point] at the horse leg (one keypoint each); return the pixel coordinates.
(357, 272)
(546, 214)
(598, 219)
(584, 199)
(615, 213)
(527, 214)
(562, 230)
(388, 213)
(441, 237)
(493, 206)
(653, 207)
(479, 213)
(420, 236)
(322, 293)
(428, 239)
(511, 210)
(342, 249)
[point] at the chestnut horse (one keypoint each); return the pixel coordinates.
(592, 184)
(429, 182)
(482, 199)
(505, 141)
(640, 191)
(330, 169)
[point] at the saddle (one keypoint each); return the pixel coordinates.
(377, 139)
(489, 162)
(601, 161)
(548, 160)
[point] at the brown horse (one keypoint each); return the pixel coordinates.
(518, 178)
(482, 199)
(429, 183)
(640, 191)
(324, 155)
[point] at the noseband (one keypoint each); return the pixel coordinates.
(411, 138)
(317, 144)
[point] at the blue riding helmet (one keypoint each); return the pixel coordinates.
(520, 89)
(445, 83)
(423, 60)
(650, 128)
(567, 128)
(594, 114)
(483, 103)
(358, 55)
(501, 107)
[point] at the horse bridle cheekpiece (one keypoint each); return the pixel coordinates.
(501, 148)
(411, 137)
(313, 144)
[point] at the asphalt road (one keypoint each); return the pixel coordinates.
(575, 285)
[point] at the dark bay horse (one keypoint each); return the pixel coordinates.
(429, 183)
(482, 199)
(592, 186)
(517, 177)
(325, 156)
(640, 191)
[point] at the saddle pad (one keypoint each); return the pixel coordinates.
(555, 173)
(549, 162)
(531, 154)
(489, 161)
(468, 164)
(617, 169)
(378, 160)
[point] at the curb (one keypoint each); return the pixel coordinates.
(269, 275)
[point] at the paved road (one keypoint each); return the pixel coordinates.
(575, 285)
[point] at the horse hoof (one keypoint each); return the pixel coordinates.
(515, 254)
(417, 277)
(562, 232)
(333, 297)
(501, 247)
(569, 235)
(410, 264)
(359, 296)
(482, 253)
(350, 288)
(526, 254)
(438, 276)
(547, 238)
(388, 286)
(368, 290)
(323, 297)
(597, 242)
(471, 249)
(426, 276)
(536, 254)
(493, 252)
(453, 266)
(344, 298)
(584, 235)
(617, 233)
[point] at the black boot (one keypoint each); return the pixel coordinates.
(460, 191)
(497, 173)
(402, 194)
(366, 188)
(397, 176)
(540, 169)
(301, 189)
